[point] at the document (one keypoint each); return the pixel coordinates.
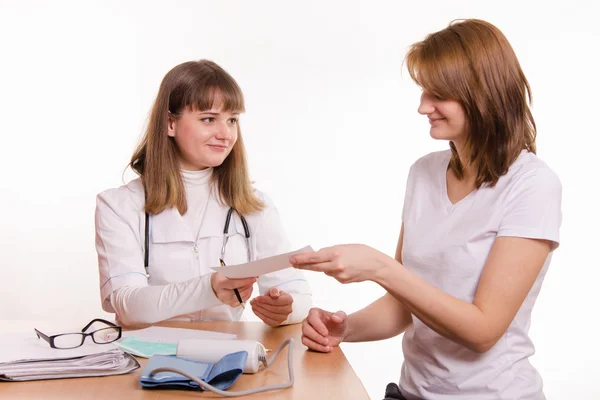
(24, 357)
(262, 266)
(111, 362)
(26, 346)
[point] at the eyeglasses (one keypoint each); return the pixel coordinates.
(73, 340)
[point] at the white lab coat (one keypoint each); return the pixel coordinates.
(120, 245)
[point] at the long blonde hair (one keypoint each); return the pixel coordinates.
(472, 62)
(194, 85)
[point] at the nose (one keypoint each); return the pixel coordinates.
(426, 105)
(224, 131)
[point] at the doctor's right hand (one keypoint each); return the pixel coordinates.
(322, 330)
(223, 288)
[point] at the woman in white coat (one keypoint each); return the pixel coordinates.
(158, 236)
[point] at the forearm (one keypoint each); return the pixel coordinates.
(150, 304)
(392, 318)
(455, 319)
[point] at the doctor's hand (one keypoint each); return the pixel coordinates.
(322, 330)
(273, 307)
(346, 263)
(223, 288)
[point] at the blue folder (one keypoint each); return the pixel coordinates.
(220, 375)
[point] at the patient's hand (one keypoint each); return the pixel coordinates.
(322, 330)
(273, 307)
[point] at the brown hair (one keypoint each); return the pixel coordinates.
(472, 62)
(194, 85)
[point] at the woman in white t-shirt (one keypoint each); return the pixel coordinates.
(159, 237)
(480, 223)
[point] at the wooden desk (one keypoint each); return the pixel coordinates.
(317, 376)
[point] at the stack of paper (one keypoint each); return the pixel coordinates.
(24, 357)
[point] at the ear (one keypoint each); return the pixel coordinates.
(171, 125)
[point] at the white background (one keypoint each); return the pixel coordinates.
(331, 129)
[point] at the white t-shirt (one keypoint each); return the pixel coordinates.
(447, 245)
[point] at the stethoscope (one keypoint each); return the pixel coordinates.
(225, 238)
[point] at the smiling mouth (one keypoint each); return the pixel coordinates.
(433, 121)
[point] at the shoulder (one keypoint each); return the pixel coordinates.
(431, 161)
(125, 197)
(267, 201)
(530, 172)
(267, 213)
(429, 166)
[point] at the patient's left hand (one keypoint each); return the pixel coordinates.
(273, 307)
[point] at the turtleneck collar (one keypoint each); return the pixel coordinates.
(196, 178)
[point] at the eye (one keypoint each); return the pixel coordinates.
(432, 95)
(233, 121)
(435, 96)
(208, 120)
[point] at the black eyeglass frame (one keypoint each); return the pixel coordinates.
(84, 335)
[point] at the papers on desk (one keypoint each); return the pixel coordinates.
(24, 357)
(262, 266)
(111, 362)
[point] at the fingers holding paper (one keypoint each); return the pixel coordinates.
(346, 263)
(273, 307)
(223, 288)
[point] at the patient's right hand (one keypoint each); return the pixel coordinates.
(322, 330)
(223, 288)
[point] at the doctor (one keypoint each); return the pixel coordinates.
(158, 236)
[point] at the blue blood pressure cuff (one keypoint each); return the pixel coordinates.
(220, 375)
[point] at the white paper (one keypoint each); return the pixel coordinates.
(174, 335)
(24, 357)
(111, 362)
(27, 346)
(262, 266)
